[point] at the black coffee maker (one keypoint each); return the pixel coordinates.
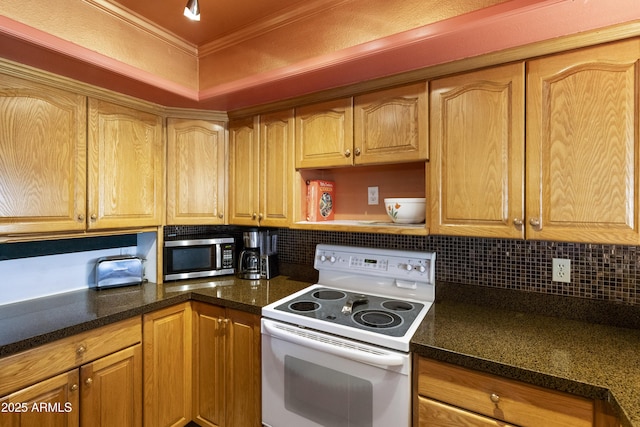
(249, 259)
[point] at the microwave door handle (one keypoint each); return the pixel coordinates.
(330, 346)
(218, 265)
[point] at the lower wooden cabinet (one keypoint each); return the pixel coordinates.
(53, 402)
(226, 367)
(201, 363)
(449, 395)
(167, 366)
(90, 379)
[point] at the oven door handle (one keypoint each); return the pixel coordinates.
(332, 346)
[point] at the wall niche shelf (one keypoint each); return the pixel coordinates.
(352, 211)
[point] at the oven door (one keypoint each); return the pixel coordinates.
(311, 379)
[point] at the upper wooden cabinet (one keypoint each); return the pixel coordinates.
(324, 134)
(125, 169)
(261, 170)
(42, 158)
(388, 126)
(196, 169)
(477, 157)
(583, 115)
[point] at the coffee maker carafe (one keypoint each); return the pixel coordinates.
(249, 259)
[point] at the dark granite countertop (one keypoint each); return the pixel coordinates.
(576, 356)
(28, 324)
(588, 359)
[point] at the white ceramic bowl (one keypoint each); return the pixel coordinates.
(406, 210)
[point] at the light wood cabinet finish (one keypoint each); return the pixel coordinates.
(209, 364)
(196, 170)
(324, 134)
(42, 158)
(22, 369)
(477, 160)
(125, 169)
(226, 367)
(499, 398)
(436, 414)
(276, 168)
(61, 392)
(111, 390)
(582, 145)
(244, 171)
(391, 126)
(167, 358)
(387, 126)
(261, 170)
(244, 370)
(90, 379)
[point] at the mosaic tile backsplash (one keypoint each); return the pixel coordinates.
(598, 272)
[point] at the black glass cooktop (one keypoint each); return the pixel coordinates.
(382, 315)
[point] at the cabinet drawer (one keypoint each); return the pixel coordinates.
(517, 402)
(33, 365)
(436, 414)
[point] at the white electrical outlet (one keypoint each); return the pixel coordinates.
(373, 195)
(561, 271)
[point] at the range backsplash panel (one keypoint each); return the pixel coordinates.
(598, 272)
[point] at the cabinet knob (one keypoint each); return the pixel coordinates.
(260, 216)
(221, 215)
(73, 387)
(88, 381)
(80, 217)
(535, 223)
(254, 216)
(495, 398)
(80, 350)
(94, 217)
(357, 151)
(347, 153)
(518, 222)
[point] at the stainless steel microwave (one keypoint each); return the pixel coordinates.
(191, 258)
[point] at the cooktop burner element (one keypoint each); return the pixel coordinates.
(377, 296)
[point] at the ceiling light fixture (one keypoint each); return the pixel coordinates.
(192, 10)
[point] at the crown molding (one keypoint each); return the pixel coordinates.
(272, 22)
(135, 20)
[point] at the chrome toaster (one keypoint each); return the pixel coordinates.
(114, 271)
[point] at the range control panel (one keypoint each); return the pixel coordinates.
(389, 263)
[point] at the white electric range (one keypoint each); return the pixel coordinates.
(336, 353)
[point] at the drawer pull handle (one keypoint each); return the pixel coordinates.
(80, 350)
(495, 398)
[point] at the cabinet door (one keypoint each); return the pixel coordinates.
(582, 145)
(52, 403)
(244, 370)
(477, 158)
(112, 390)
(42, 158)
(167, 366)
(196, 151)
(276, 168)
(125, 167)
(391, 125)
(209, 364)
(324, 134)
(244, 178)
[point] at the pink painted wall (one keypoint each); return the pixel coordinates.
(281, 73)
